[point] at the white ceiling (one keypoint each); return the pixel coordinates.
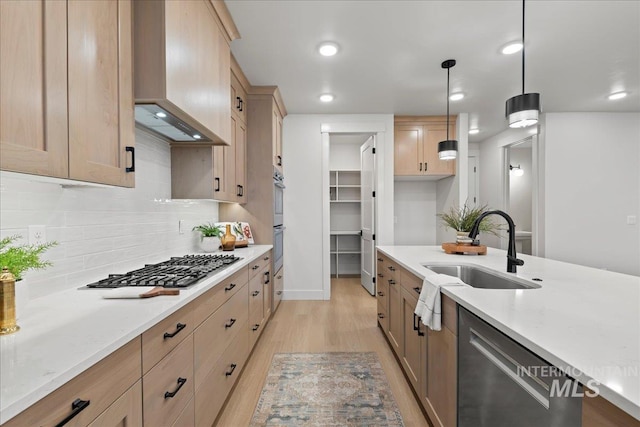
(577, 52)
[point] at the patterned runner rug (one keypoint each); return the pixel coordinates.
(326, 389)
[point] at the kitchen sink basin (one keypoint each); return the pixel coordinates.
(479, 277)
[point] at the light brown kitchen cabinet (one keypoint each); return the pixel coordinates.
(182, 63)
(67, 111)
(416, 141)
(396, 321)
(413, 332)
(599, 412)
(240, 161)
(126, 411)
(278, 160)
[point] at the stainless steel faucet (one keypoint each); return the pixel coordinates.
(512, 260)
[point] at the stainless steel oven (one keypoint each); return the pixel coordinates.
(278, 235)
(278, 196)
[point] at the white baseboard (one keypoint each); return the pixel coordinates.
(303, 295)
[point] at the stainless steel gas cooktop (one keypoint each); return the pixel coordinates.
(178, 272)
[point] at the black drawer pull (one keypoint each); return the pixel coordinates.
(255, 293)
(391, 268)
(380, 275)
(265, 258)
(179, 327)
(233, 368)
(417, 289)
(255, 327)
(381, 294)
(380, 315)
(267, 277)
(170, 394)
(238, 99)
(133, 159)
(380, 259)
(77, 406)
(217, 181)
(279, 160)
(231, 286)
(279, 292)
(392, 282)
(230, 324)
(415, 328)
(255, 267)
(416, 325)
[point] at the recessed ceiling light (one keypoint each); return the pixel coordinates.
(196, 136)
(161, 114)
(617, 95)
(328, 49)
(327, 97)
(511, 48)
(456, 96)
(474, 131)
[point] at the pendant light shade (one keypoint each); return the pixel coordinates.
(523, 110)
(448, 150)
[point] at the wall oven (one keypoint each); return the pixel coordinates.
(278, 235)
(278, 195)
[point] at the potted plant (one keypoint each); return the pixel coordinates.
(461, 220)
(209, 236)
(18, 259)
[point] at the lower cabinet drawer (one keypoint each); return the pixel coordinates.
(168, 386)
(89, 394)
(160, 339)
(221, 293)
(216, 333)
(188, 416)
(216, 386)
(278, 288)
(126, 411)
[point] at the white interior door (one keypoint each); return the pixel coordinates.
(367, 214)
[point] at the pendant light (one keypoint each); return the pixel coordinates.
(447, 150)
(523, 110)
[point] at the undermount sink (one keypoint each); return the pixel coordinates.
(479, 277)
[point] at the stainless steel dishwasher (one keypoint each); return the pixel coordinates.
(502, 384)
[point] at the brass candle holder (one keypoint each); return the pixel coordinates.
(8, 323)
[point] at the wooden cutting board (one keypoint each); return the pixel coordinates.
(139, 292)
(454, 248)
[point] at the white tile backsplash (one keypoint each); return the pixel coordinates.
(102, 230)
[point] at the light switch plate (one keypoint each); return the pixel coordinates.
(37, 235)
(631, 220)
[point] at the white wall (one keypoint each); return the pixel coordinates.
(344, 155)
(520, 190)
(103, 230)
(593, 184)
(415, 212)
(303, 243)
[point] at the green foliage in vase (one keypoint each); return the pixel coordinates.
(21, 258)
(208, 230)
(462, 219)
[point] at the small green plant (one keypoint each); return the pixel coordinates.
(21, 258)
(462, 219)
(208, 230)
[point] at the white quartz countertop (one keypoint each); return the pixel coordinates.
(583, 320)
(65, 333)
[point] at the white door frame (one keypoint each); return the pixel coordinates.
(326, 129)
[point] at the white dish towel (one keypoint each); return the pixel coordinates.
(429, 307)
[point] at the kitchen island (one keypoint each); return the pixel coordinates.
(64, 334)
(583, 320)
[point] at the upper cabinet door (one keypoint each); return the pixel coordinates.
(408, 156)
(278, 161)
(433, 165)
(198, 60)
(101, 124)
(240, 145)
(33, 87)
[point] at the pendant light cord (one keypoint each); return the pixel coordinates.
(448, 69)
(523, 45)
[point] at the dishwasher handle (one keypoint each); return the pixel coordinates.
(508, 365)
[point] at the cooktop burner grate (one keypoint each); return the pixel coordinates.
(178, 272)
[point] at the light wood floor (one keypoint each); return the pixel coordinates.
(346, 323)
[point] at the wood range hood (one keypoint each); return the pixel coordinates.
(181, 70)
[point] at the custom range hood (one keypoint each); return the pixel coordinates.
(181, 83)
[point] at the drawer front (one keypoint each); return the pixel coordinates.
(256, 298)
(278, 288)
(382, 295)
(383, 318)
(159, 340)
(188, 416)
(126, 411)
(215, 334)
(165, 393)
(256, 265)
(216, 386)
(410, 282)
(214, 298)
(101, 385)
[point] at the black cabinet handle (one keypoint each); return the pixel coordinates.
(241, 105)
(392, 268)
(231, 286)
(77, 406)
(279, 292)
(420, 164)
(217, 181)
(255, 267)
(415, 328)
(380, 259)
(279, 160)
(392, 282)
(238, 101)
(255, 327)
(240, 191)
(416, 325)
(179, 327)
(233, 368)
(417, 289)
(170, 394)
(267, 277)
(265, 258)
(133, 158)
(381, 294)
(230, 324)
(255, 293)
(380, 275)
(425, 166)
(380, 316)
